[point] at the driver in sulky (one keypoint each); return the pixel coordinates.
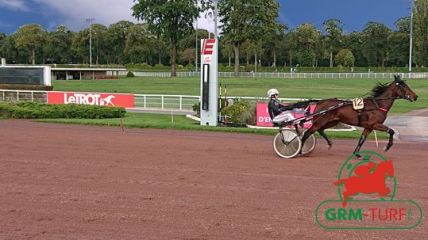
(275, 107)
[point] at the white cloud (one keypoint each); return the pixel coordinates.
(14, 5)
(75, 12)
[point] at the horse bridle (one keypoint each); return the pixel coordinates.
(403, 92)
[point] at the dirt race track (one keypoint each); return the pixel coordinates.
(84, 182)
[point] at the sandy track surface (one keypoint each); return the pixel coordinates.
(412, 126)
(85, 182)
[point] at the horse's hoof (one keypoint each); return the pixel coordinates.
(329, 146)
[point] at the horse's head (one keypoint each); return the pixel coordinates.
(401, 89)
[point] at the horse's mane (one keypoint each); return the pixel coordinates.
(379, 89)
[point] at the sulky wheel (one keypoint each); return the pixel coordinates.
(309, 145)
(287, 144)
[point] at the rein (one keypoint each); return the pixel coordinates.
(374, 100)
(378, 107)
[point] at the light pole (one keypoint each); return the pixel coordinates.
(215, 19)
(90, 20)
(411, 37)
(196, 49)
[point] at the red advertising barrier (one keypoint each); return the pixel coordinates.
(98, 99)
(263, 118)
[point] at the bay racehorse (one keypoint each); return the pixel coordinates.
(371, 117)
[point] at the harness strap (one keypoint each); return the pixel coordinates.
(359, 117)
(379, 107)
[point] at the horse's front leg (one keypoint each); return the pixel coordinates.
(391, 133)
(363, 138)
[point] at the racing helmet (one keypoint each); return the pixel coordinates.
(271, 92)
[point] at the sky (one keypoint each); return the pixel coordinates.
(73, 13)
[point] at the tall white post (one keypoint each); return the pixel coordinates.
(209, 77)
(215, 19)
(411, 38)
(209, 82)
(196, 50)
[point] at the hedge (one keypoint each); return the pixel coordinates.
(32, 110)
(241, 112)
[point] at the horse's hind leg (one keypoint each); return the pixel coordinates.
(363, 138)
(308, 133)
(315, 127)
(322, 133)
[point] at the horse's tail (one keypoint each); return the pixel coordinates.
(339, 182)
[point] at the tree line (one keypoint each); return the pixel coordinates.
(250, 34)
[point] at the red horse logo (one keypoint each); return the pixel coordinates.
(370, 179)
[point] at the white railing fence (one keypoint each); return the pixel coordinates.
(290, 75)
(165, 102)
(23, 95)
(141, 101)
(186, 102)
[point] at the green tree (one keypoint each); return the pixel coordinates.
(273, 41)
(354, 42)
(171, 20)
(189, 42)
(403, 25)
(246, 49)
(9, 51)
(140, 44)
(243, 20)
(291, 43)
(420, 32)
(100, 44)
(187, 56)
(375, 43)
(226, 50)
(80, 46)
(307, 39)
(57, 48)
(2, 40)
(256, 51)
(31, 37)
(334, 30)
(2, 37)
(398, 43)
(116, 37)
(345, 58)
